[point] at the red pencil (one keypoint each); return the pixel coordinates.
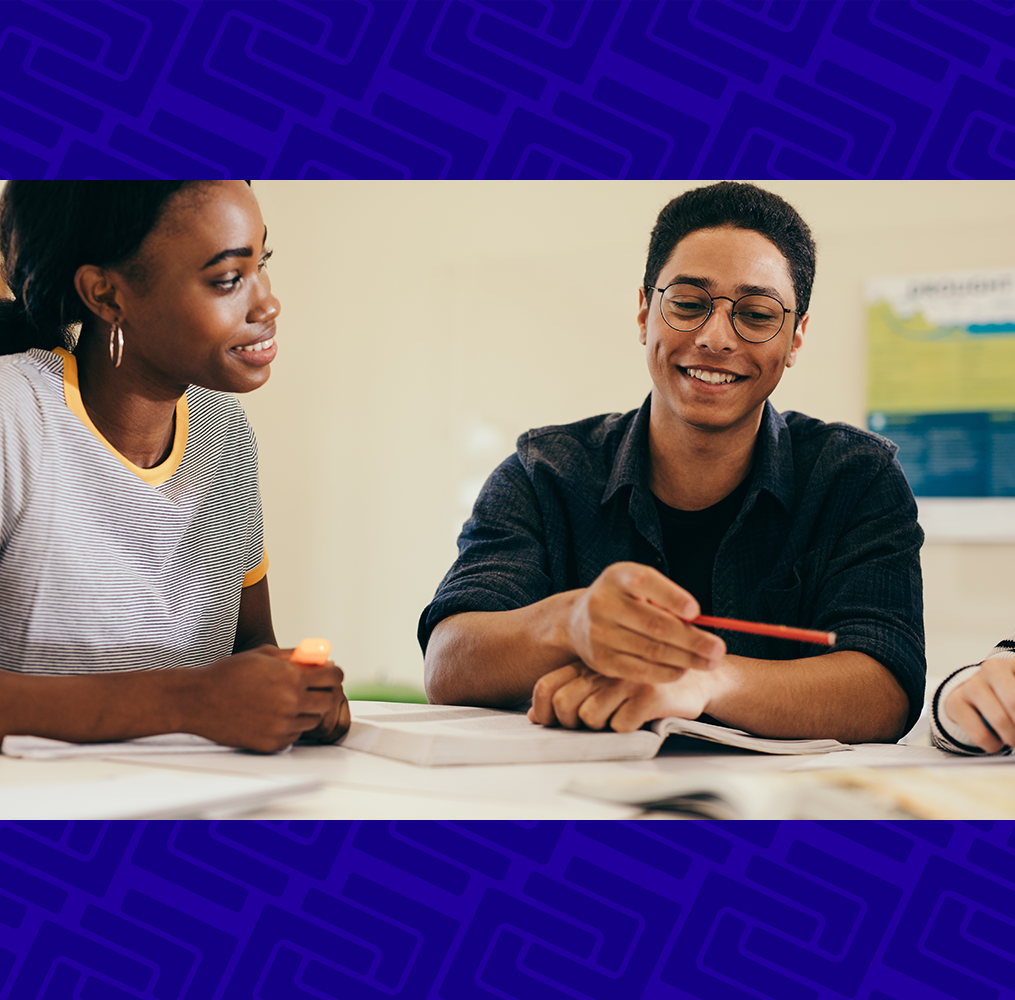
(758, 628)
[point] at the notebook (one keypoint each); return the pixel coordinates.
(450, 734)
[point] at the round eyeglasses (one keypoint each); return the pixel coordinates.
(756, 318)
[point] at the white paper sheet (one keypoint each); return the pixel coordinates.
(39, 748)
(166, 795)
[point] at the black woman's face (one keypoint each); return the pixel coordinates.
(201, 310)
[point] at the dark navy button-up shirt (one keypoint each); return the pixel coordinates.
(826, 537)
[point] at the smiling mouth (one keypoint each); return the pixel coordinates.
(711, 377)
(260, 346)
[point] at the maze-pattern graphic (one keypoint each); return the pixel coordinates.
(231, 910)
(523, 89)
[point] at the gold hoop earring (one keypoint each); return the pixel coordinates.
(115, 345)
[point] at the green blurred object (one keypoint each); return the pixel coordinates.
(386, 692)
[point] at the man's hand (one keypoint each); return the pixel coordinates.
(987, 699)
(575, 695)
(627, 625)
(259, 700)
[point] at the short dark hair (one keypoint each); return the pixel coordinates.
(740, 206)
(48, 229)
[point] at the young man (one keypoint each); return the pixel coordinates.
(590, 548)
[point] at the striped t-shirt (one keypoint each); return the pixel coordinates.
(106, 566)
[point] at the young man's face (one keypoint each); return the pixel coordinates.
(688, 369)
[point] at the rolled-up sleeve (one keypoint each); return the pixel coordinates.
(871, 594)
(502, 559)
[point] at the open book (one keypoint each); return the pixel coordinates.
(450, 734)
(710, 792)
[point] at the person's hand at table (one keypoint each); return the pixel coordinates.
(987, 702)
(260, 700)
(335, 722)
(629, 624)
(574, 696)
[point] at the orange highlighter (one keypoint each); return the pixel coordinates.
(312, 652)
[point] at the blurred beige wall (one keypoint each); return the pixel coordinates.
(425, 325)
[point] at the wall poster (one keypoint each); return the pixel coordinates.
(941, 385)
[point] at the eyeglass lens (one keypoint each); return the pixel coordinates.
(756, 318)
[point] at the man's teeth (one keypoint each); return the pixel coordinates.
(262, 346)
(713, 378)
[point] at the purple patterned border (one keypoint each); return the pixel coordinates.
(455, 910)
(508, 89)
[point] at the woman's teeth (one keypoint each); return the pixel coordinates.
(262, 346)
(713, 378)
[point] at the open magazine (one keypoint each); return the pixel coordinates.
(704, 792)
(451, 734)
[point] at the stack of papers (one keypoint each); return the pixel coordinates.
(39, 748)
(166, 795)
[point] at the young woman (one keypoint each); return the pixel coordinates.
(133, 594)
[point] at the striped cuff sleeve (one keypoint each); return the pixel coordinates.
(945, 733)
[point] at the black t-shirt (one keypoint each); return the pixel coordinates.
(691, 540)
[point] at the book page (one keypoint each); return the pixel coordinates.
(738, 738)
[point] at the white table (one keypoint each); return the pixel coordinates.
(364, 786)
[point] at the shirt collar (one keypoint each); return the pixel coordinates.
(630, 467)
(773, 458)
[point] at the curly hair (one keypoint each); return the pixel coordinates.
(742, 206)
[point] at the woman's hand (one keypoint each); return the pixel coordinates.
(260, 700)
(335, 724)
(987, 699)
(574, 695)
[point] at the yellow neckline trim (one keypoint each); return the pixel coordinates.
(153, 477)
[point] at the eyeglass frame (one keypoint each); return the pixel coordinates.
(711, 309)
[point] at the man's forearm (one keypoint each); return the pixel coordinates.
(631, 623)
(847, 696)
(495, 657)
